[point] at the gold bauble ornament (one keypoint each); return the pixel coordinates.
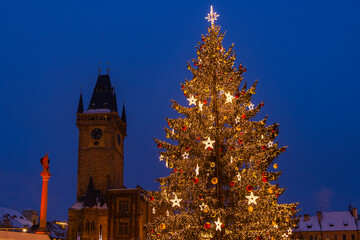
(162, 226)
(254, 174)
(271, 190)
(236, 168)
(213, 214)
(252, 91)
(214, 180)
(250, 209)
(244, 170)
(162, 183)
(167, 136)
(274, 223)
(170, 165)
(238, 128)
(225, 117)
(275, 166)
(212, 164)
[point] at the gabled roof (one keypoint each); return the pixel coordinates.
(338, 221)
(308, 226)
(103, 96)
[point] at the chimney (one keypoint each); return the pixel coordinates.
(355, 213)
(306, 217)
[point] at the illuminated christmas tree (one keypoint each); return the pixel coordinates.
(222, 183)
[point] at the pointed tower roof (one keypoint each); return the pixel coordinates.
(81, 105)
(123, 114)
(93, 198)
(103, 95)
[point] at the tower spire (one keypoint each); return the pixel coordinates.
(80, 108)
(123, 114)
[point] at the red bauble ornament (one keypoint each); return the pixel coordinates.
(223, 225)
(240, 141)
(243, 116)
(159, 145)
(232, 183)
(258, 238)
(187, 148)
(231, 148)
(265, 179)
(237, 95)
(262, 104)
(240, 67)
(277, 194)
(195, 180)
(195, 64)
(151, 230)
(209, 148)
(180, 171)
(151, 198)
(207, 225)
(201, 197)
(182, 87)
(263, 174)
(245, 70)
(205, 102)
(200, 66)
(175, 170)
(249, 188)
(293, 208)
(183, 127)
(231, 79)
(284, 149)
(243, 92)
(203, 39)
(272, 130)
(263, 147)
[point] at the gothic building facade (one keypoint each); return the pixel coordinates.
(104, 208)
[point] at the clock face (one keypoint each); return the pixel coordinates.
(96, 133)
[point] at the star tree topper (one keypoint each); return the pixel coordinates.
(212, 16)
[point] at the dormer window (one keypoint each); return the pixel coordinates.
(331, 224)
(106, 105)
(92, 106)
(345, 223)
(309, 225)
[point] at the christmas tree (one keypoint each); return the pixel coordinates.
(222, 184)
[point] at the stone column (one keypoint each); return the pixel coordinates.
(44, 197)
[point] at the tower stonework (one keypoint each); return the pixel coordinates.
(104, 208)
(101, 137)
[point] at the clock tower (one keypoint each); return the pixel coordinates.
(101, 140)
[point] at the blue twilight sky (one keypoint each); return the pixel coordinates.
(304, 53)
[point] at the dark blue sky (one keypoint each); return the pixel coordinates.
(304, 53)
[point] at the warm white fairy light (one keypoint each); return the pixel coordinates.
(192, 100)
(176, 201)
(252, 198)
(218, 224)
(197, 169)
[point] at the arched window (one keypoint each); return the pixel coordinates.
(100, 232)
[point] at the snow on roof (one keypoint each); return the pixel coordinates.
(308, 226)
(99, 110)
(330, 221)
(338, 221)
(80, 205)
(17, 220)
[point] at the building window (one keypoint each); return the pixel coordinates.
(311, 237)
(335, 237)
(123, 228)
(352, 236)
(123, 206)
(344, 236)
(316, 237)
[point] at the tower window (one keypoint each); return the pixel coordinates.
(106, 105)
(123, 206)
(123, 228)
